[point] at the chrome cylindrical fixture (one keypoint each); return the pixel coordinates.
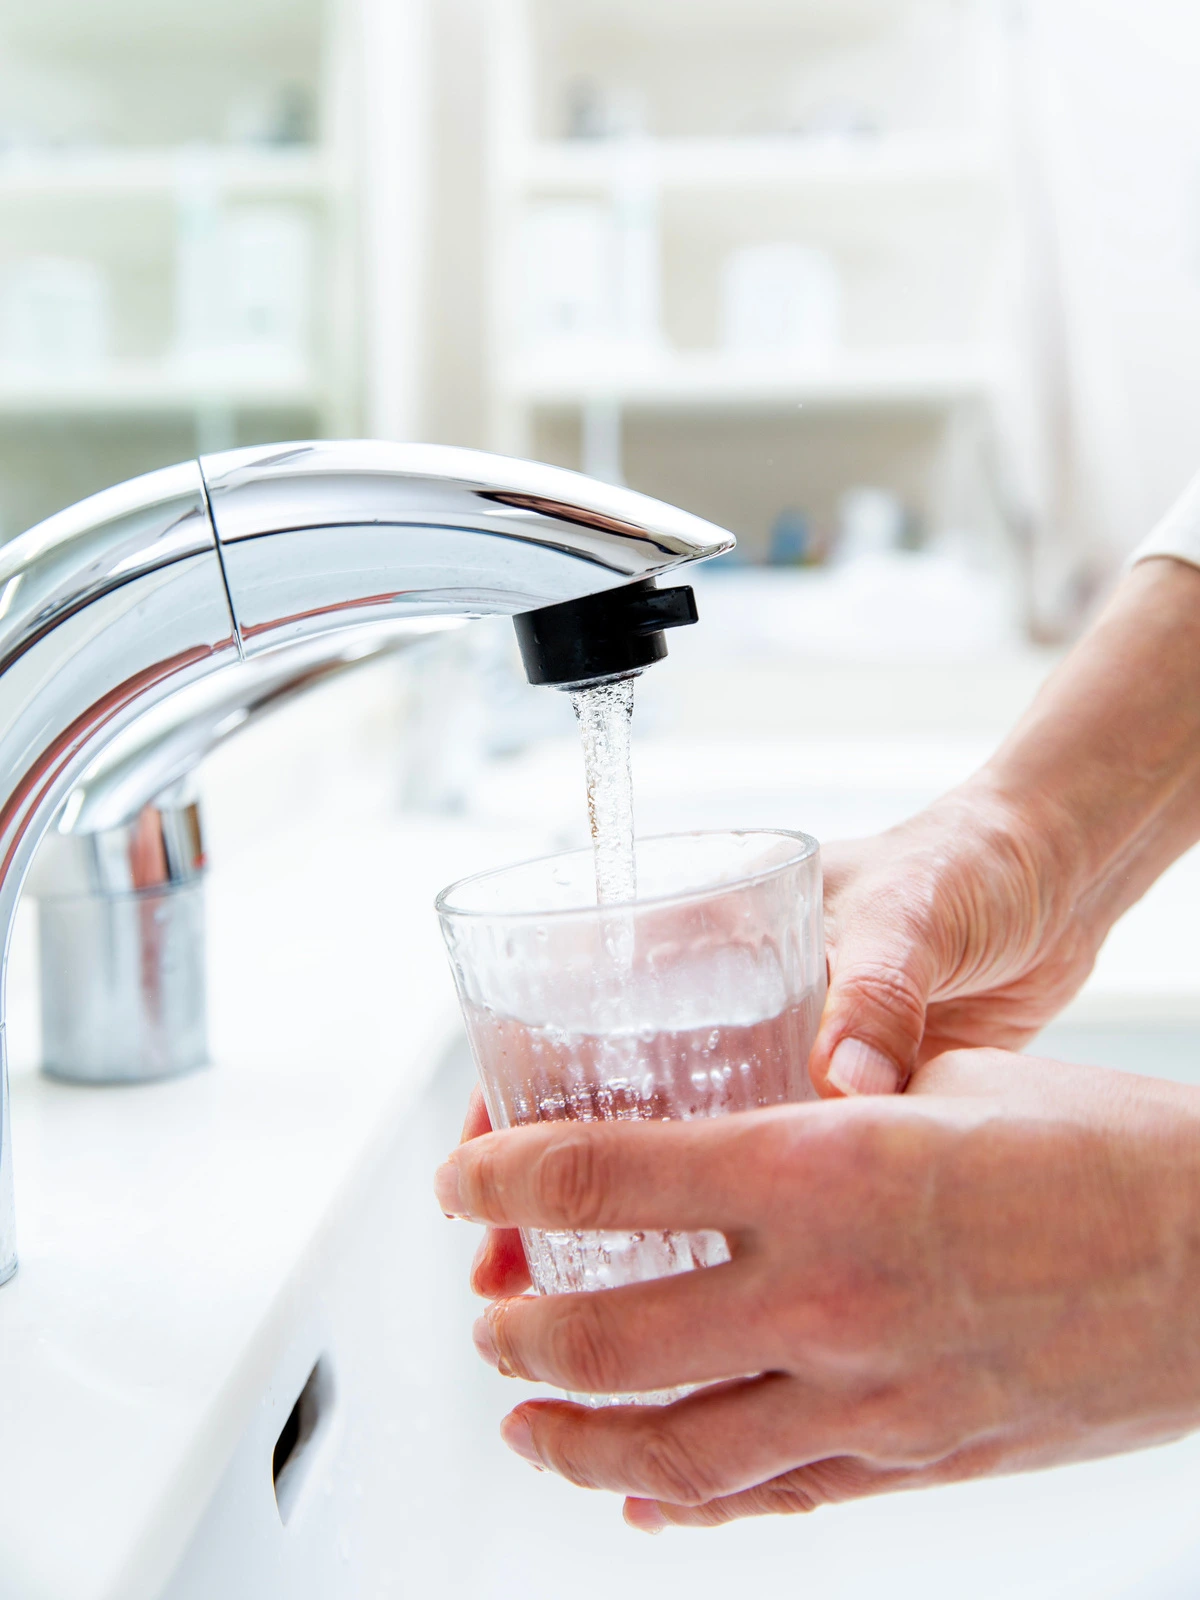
(121, 939)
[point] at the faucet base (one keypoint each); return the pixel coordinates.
(123, 985)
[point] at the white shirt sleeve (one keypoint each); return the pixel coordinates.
(1178, 534)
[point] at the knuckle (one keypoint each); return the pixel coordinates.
(482, 1181)
(714, 1514)
(792, 1499)
(824, 1483)
(581, 1348)
(500, 1316)
(569, 1458)
(882, 986)
(666, 1469)
(915, 1434)
(897, 1429)
(569, 1182)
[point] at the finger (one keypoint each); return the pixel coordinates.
(693, 1327)
(881, 976)
(961, 1073)
(711, 1173)
(500, 1268)
(807, 1488)
(712, 1445)
(477, 1120)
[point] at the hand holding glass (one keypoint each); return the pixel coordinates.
(699, 998)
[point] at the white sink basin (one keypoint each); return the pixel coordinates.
(412, 1492)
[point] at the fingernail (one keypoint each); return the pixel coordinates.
(858, 1068)
(485, 1343)
(645, 1516)
(445, 1186)
(518, 1436)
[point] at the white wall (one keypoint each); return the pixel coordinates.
(1118, 120)
(454, 393)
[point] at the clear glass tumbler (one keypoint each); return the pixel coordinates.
(699, 998)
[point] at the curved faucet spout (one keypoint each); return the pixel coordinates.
(314, 537)
(134, 597)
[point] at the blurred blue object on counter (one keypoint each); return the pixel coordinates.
(791, 539)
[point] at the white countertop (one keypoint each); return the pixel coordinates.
(164, 1229)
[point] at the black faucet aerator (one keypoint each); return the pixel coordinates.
(607, 635)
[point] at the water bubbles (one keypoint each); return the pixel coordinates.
(552, 1107)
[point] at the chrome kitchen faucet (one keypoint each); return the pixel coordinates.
(142, 626)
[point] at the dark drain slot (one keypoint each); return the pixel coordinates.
(294, 1446)
(288, 1439)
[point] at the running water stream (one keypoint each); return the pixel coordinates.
(605, 713)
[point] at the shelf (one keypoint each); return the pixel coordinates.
(921, 378)
(706, 164)
(140, 389)
(837, 17)
(134, 23)
(300, 173)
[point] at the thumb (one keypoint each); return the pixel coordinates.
(874, 1016)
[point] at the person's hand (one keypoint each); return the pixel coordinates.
(974, 923)
(997, 1271)
(953, 930)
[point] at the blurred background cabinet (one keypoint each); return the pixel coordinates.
(755, 255)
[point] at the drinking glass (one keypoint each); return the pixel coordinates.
(699, 998)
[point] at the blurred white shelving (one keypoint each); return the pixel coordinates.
(110, 174)
(895, 160)
(668, 140)
(671, 17)
(210, 232)
(148, 390)
(920, 378)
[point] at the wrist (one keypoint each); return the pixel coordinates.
(1033, 831)
(1104, 768)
